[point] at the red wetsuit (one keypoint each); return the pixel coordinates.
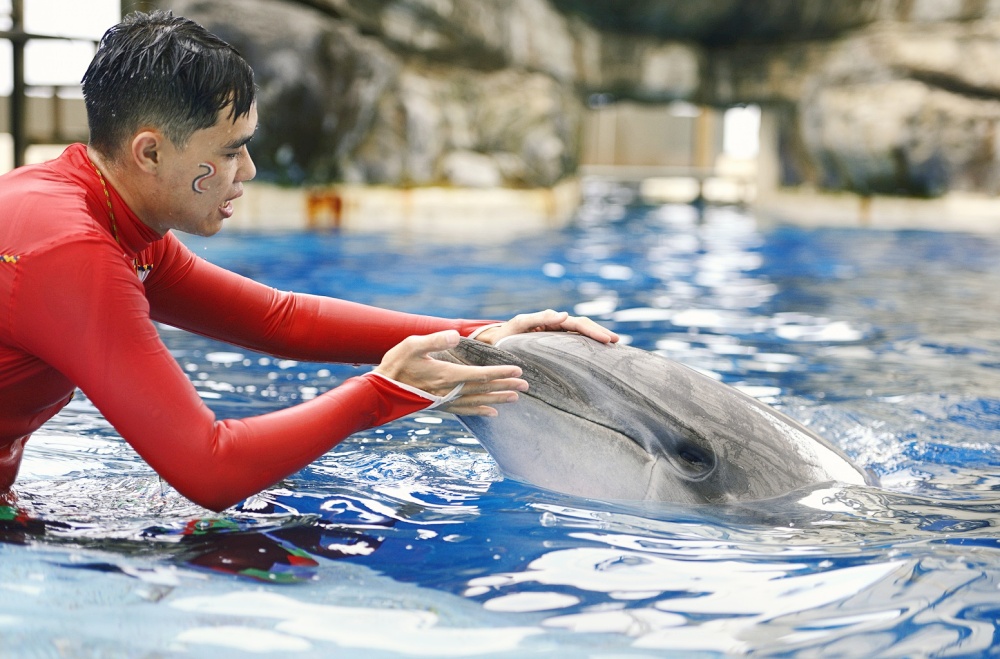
(76, 314)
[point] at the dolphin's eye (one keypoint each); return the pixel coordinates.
(693, 460)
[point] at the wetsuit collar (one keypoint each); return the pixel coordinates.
(133, 234)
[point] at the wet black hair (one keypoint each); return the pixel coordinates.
(165, 72)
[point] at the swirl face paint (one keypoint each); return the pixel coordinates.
(196, 184)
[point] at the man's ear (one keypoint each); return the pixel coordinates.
(147, 147)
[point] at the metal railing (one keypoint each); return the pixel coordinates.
(19, 93)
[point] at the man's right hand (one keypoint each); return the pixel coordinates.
(483, 386)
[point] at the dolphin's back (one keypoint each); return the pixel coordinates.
(616, 422)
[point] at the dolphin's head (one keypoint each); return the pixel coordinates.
(614, 422)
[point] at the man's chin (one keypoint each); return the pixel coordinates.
(205, 230)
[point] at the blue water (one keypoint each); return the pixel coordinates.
(406, 540)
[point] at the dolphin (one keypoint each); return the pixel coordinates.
(613, 422)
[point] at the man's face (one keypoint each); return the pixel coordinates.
(199, 182)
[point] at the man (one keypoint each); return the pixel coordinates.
(88, 262)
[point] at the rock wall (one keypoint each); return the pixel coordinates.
(876, 96)
(720, 22)
(420, 92)
(895, 97)
(898, 107)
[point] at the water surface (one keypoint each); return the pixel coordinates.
(406, 540)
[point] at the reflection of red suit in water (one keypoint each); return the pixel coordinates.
(75, 314)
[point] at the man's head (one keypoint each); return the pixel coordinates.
(171, 110)
(165, 72)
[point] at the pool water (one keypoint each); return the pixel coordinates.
(406, 540)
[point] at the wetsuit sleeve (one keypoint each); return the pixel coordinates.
(80, 308)
(190, 293)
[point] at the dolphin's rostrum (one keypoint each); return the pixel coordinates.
(618, 423)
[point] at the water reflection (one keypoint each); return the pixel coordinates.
(853, 568)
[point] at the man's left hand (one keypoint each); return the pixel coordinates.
(548, 321)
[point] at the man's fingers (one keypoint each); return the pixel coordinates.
(587, 327)
(552, 321)
(498, 385)
(524, 322)
(478, 378)
(539, 320)
(470, 410)
(410, 363)
(479, 404)
(446, 375)
(486, 399)
(452, 374)
(428, 343)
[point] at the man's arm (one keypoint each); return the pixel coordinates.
(81, 309)
(188, 292)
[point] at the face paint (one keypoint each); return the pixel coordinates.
(196, 184)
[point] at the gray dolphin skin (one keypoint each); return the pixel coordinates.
(613, 422)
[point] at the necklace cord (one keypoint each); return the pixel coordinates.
(111, 214)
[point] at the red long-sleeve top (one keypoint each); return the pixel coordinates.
(77, 308)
